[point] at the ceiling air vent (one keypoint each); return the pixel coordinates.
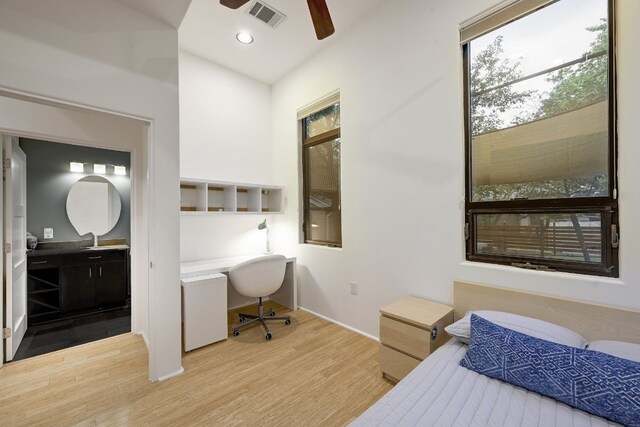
(266, 14)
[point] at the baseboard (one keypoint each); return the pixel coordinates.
(245, 306)
(166, 377)
(357, 331)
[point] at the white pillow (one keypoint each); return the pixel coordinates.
(461, 329)
(625, 350)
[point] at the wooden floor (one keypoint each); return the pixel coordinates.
(311, 373)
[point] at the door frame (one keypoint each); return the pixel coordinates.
(140, 225)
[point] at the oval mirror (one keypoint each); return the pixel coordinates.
(93, 206)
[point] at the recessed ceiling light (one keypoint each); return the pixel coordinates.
(244, 37)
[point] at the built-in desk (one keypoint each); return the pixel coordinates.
(287, 295)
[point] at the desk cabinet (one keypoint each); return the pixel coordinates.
(204, 310)
(410, 330)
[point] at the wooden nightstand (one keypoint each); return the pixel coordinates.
(410, 330)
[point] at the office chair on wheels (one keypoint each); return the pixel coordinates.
(259, 278)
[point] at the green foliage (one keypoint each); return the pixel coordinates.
(489, 70)
(323, 120)
(551, 189)
(582, 84)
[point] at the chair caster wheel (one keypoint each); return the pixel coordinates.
(273, 313)
(241, 319)
(236, 333)
(267, 337)
(287, 322)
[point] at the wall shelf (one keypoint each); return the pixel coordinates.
(202, 197)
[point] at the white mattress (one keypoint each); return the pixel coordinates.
(439, 392)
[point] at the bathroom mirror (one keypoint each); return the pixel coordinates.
(93, 206)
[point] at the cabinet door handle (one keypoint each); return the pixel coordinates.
(89, 272)
(100, 268)
(95, 257)
(38, 262)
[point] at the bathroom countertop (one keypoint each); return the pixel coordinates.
(61, 251)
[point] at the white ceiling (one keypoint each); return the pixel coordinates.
(170, 12)
(209, 30)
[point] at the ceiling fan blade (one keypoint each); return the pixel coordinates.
(321, 18)
(233, 4)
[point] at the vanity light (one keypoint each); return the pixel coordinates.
(99, 168)
(120, 170)
(244, 37)
(76, 167)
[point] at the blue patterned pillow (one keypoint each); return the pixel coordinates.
(594, 382)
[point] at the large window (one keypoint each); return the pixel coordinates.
(541, 188)
(321, 177)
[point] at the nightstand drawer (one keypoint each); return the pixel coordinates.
(404, 337)
(395, 365)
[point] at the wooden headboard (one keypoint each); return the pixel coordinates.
(593, 321)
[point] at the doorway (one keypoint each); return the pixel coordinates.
(76, 217)
(25, 119)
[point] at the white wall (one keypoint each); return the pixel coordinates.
(103, 54)
(400, 77)
(225, 135)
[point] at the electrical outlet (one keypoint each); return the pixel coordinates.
(48, 233)
(354, 288)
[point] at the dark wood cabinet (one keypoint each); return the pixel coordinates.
(77, 288)
(111, 284)
(43, 288)
(76, 283)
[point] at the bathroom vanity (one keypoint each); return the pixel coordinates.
(74, 278)
(64, 283)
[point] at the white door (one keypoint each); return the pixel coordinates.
(15, 233)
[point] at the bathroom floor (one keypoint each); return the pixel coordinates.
(48, 337)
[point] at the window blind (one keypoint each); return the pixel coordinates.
(318, 105)
(497, 17)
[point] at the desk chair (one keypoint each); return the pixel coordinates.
(258, 278)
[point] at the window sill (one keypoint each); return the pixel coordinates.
(574, 277)
(312, 245)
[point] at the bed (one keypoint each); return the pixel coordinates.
(439, 392)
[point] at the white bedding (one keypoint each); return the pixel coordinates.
(439, 392)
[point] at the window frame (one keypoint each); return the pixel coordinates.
(306, 144)
(606, 206)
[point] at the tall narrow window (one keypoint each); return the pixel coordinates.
(321, 176)
(540, 137)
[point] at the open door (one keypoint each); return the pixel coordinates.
(15, 253)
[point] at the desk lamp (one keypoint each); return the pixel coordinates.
(263, 226)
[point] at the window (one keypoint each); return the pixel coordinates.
(321, 176)
(540, 139)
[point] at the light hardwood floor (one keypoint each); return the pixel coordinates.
(311, 373)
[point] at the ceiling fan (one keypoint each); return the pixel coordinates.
(319, 15)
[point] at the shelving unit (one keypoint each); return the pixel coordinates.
(193, 196)
(43, 290)
(271, 199)
(221, 198)
(199, 197)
